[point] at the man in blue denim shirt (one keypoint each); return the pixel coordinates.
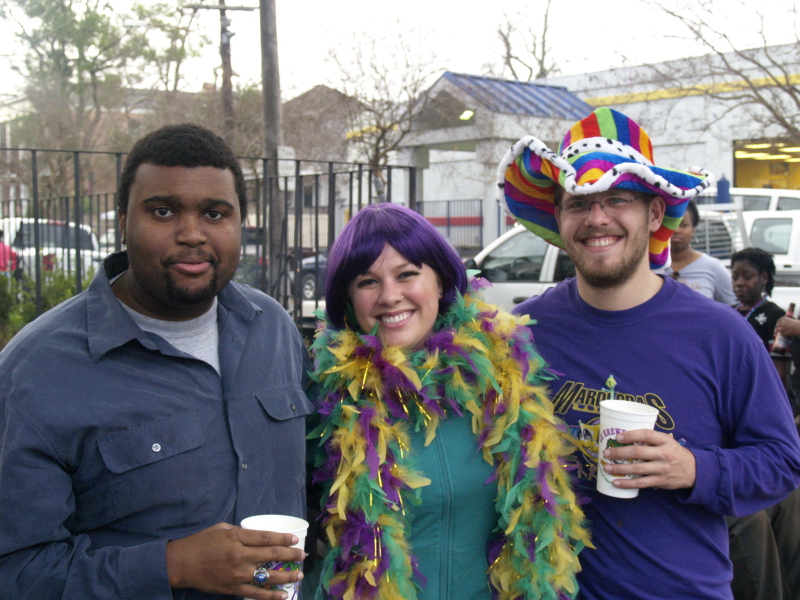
(141, 420)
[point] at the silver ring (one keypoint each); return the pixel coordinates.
(261, 576)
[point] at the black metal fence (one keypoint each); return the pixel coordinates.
(58, 212)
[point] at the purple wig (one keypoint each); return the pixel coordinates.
(361, 242)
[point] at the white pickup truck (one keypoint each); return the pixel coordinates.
(520, 264)
(778, 232)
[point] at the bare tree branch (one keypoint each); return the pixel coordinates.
(387, 78)
(762, 80)
(526, 49)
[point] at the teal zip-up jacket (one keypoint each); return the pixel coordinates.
(449, 530)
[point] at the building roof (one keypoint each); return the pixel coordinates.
(521, 97)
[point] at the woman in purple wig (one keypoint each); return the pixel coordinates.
(440, 457)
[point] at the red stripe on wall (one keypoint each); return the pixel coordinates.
(452, 221)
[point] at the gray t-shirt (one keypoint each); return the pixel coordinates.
(197, 337)
(708, 276)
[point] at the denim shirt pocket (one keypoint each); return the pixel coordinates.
(287, 408)
(152, 464)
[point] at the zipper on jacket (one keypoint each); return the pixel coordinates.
(447, 520)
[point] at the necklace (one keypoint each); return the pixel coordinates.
(479, 363)
(750, 312)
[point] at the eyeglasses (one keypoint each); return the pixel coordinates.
(613, 205)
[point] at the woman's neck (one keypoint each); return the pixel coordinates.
(744, 306)
(684, 257)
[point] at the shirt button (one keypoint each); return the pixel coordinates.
(293, 407)
(244, 466)
(156, 447)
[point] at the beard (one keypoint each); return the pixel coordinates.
(161, 286)
(181, 296)
(601, 275)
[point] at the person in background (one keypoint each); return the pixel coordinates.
(723, 442)
(701, 272)
(441, 461)
(8, 258)
(142, 419)
(764, 546)
(753, 277)
(789, 327)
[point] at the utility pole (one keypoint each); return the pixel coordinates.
(271, 97)
(227, 73)
(225, 55)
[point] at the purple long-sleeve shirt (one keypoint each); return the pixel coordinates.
(717, 392)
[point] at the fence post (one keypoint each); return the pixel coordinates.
(331, 205)
(267, 188)
(298, 241)
(447, 204)
(360, 185)
(349, 197)
(284, 252)
(78, 222)
(480, 226)
(412, 188)
(37, 268)
(117, 232)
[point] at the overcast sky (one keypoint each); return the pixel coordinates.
(585, 35)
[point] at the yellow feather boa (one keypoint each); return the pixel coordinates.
(479, 362)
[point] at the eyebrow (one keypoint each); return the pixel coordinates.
(397, 268)
(175, 201)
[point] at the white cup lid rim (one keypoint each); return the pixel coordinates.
(289, 524)
(629, 408)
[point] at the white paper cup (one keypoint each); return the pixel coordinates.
(281, 524)
(617, 416)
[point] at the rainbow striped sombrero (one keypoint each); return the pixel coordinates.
(603, 151)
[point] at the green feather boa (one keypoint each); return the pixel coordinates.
(478, 362)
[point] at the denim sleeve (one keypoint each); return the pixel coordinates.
(39, 556)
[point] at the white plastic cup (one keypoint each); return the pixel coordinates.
(281, 524)
(617, 416)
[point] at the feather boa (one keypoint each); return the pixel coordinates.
(479, 362)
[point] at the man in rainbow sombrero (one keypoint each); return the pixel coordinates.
(724, 441)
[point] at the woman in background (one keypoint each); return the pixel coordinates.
(753, 276)
(701, 272)
(764, 546)
(442, 461)
(756, 270)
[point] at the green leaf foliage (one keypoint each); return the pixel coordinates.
(18, 298)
